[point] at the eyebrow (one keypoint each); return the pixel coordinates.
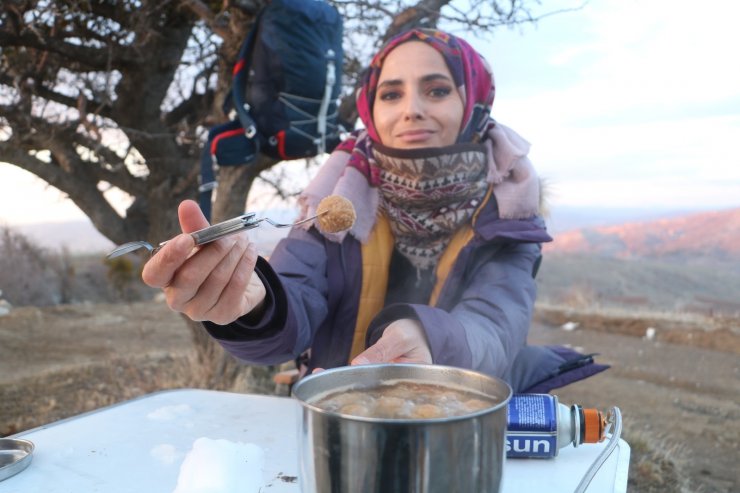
(424, 79)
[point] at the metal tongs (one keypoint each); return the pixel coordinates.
(211, 233)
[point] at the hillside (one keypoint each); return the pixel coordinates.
(646, 284)
(707, 235)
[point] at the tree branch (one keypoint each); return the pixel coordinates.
(82, 191)
(12, 154)
(101, 109)
(424, 14)
(214, 22)
(110, 167)
(98, 59)
(189, 108)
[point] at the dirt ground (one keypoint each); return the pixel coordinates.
(680, 403)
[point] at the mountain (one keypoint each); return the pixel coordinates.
(714, 235)
(621, 234)
(562, 218)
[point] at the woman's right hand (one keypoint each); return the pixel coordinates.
(403, 341)
(215, 282)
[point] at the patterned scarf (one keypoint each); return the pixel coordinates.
(428, 193)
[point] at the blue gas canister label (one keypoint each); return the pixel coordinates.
(532, 426)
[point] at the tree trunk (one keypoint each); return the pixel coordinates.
(216, 369)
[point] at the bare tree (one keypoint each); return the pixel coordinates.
(102, 94)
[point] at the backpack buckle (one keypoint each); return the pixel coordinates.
(207, 187)
(250, 131)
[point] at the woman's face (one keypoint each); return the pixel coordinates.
(416, 102)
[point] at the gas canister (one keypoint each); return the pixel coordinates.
(538, 426)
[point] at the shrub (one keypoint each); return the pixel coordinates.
(121, 275)
(31, 275)
(28, 274)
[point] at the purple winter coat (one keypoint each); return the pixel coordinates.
(480, 322)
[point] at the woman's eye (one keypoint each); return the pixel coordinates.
(389, 95)
(440, 92)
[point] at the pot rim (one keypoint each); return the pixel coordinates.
(404, 421)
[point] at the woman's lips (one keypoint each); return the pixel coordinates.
(415, 135)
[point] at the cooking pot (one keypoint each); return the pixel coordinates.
(340, 453)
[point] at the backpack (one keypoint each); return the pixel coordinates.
(285, 89)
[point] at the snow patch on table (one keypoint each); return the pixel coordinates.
(165, 453)
(168, 413)
(221, 466)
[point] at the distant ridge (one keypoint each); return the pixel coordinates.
(80, 236)
(76, 236)
(713, 234)
(707, 235)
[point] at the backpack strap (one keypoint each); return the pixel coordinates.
(331, 77)
(239, 84)
(207, 181)
(234, 100)
(226, 146)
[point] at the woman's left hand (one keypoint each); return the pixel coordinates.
(403, 341)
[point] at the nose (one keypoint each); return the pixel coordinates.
(414, 108)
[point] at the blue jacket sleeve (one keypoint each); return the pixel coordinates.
(295, 304)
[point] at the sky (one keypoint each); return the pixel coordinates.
(627, 104)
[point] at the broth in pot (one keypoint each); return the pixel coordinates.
(404, 399)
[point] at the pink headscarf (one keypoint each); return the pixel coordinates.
(470, 74)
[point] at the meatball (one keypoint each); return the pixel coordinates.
(356, 410)
(391, 407)
(336, 214)
(426, 411)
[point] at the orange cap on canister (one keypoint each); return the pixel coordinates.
(594, 424)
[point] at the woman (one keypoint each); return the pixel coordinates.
(439, 266)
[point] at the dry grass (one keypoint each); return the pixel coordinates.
(676, 318)
(720, 333)
(655, 466)
(42, 399)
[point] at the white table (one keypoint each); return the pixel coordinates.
(139, 446)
